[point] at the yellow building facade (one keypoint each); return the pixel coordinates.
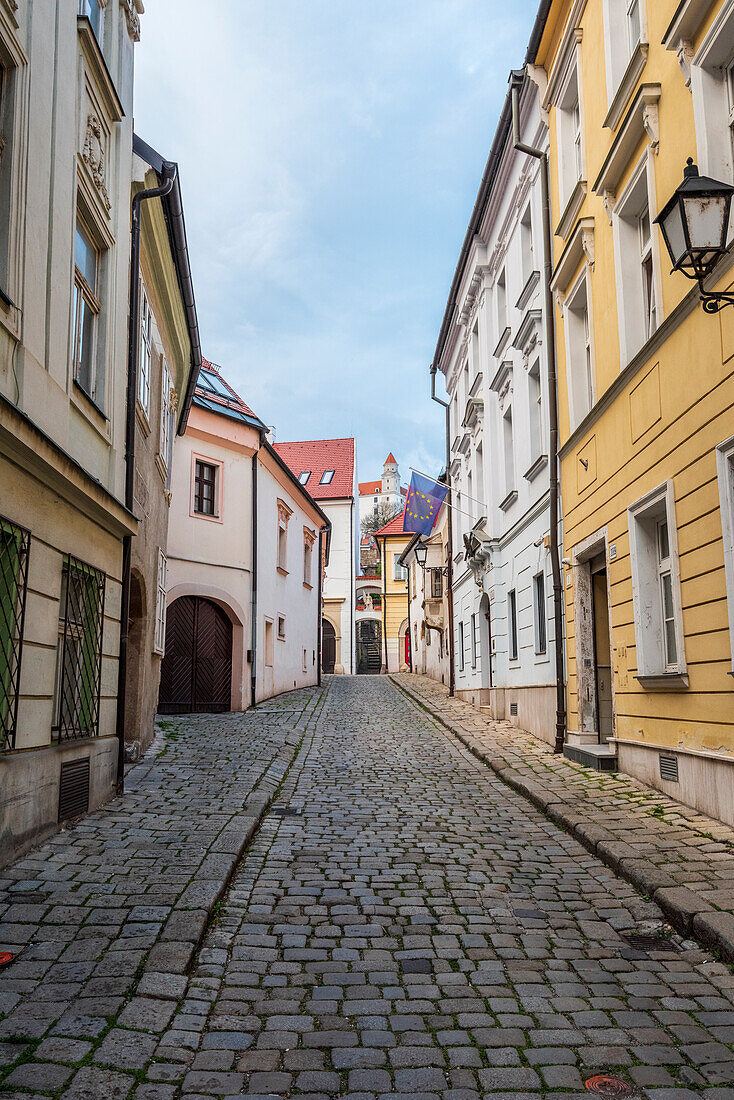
(631, 89)
(395, 627)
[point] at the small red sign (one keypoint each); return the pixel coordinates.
(6, 957)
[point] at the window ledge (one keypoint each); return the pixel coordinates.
(308, 586)
(528, 290)
(641, 119)
(509, 500)
(579, 245)
(502, 343)
(79, 389)
(667, 681)
(627, 85)
(283, 572)
(571, 210)
(142, 418)
(161, 467)
(540, 463)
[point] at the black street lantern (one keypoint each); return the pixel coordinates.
(421, 552)
(694, 224)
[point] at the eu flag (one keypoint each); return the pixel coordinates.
(423, 504)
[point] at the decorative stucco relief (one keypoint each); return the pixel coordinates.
(93, 155)
(132, 18)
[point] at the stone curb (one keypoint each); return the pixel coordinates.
(688, 913)
(183, 933)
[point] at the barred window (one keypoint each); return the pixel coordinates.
(79, 654)
(14, 547)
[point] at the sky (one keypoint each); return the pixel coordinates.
(330, 152)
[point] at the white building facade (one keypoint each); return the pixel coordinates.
(493, 358)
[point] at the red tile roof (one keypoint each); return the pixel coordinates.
(394, 527)
(214, 393)
(366, 488)
(391, 458)
(318, 456)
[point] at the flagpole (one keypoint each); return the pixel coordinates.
(436, 482)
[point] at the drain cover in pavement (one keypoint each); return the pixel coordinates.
(649, 941)
(286, 811)
(605, 1085)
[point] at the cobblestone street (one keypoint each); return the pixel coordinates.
(402, 924)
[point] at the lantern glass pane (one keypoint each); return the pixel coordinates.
(706, 217)
(672, 227)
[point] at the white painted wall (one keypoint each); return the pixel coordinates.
(341, 574)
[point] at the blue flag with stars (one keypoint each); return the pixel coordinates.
(423, 504)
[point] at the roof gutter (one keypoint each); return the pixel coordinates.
(173, 211)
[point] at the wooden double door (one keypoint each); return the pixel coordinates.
(196, 672)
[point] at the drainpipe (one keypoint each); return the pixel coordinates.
(410, 635)
(253, 600)
(450, 532)
(517, 80)
(169, 176)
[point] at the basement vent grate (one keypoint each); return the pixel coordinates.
(669, 767)
(513, 710)
(74, 789)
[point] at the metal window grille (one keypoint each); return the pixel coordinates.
(80, 651)
(14, 550)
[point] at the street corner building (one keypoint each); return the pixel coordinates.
(247, 548)
(328, 470)
(387, 623)
(646, 411)
(64, 279)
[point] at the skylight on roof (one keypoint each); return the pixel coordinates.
(219, 387)
(204, 380)
(326, 477)
(304, 476)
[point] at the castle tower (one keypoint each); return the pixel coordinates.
(390, 475)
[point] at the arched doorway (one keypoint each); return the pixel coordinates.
(369, 646)
(196, 672)
(328, 646)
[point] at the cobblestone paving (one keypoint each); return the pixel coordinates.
(662, 846)
(418, 930)
(105, 917)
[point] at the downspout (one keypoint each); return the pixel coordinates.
(253, 598)
(517, 79)
(450, 532)
(169, 177)
(410, 635)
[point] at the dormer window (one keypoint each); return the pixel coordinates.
(304, 476)
(326, 477)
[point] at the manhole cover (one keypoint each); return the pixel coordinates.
(602, 1084)
(649, 941)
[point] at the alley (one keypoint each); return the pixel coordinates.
(401, 924)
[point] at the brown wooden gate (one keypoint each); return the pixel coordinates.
(196, 672)
(328, 646)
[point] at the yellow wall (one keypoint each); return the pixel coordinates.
(675, 406)
(396, 602)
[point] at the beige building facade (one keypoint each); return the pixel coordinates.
(65, 177)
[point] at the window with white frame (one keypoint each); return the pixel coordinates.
(307, 557)
(166, 425)
(436, 584)
(636, 262)
(570, 138)
(512, 624)
(526, 244)
(725, 463)
(539, 608)
(400, 572)
(87, 360)
(656, 585)
(159, 642)
(712, 87)
(624, 30)
(501, 302)
(282, 543)
(145, 357)
(535, 409)
(94, 11)
(579, 352)
(508, 450)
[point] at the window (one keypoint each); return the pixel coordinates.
(281, 628)
(94, 13)
(635, 260)
(623, 31)
(88, 373)
(512, 623)
(400, 573)
(656, 585)
(166, 426)
(305, 661)
(145, 356)
(535, 401)
(7, 129)
(712, 86)
(509, 451)
(526, 244)
(307, 556)
(304, 476)
(540, 612)
(326, 477)
(436, 584)
(725, 462)
(473, 641)
(79, 653)
(461, 647)
(632, 25)
(159, 643)
(570, 139)
(269, 643)
(284, 514)
(501, 303)
(579, 355)
(205, 488)
(14, 549)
